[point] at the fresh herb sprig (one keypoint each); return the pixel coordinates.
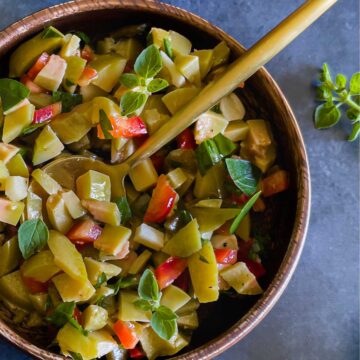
(142, 83)
(163, 319)
(336, 95)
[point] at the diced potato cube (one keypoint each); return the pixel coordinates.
(94, 318)
(178, 98)
(7, 151)
(47, 146)
(158, 35)
(179, 43)
(189, 307)
(73, 204)
(189, 66)
(112, 239)
(205, 60)
(16, 121)
(232, 107)
(71, 46)
(58, 214)
(241, 279)
(34, 206)
(73, 290)
(208, 125)
(16, 188)
(171, 71)
(139, 264)
(103, 211)
(4, 174)
(17, 166)
(236, 130)
(189, 321)
(221, 54)
(66, 256)
(52, 74)
(177, 177)
(149, 237)
(11, 211)
(46, 182)
(40, 267)
(174, 298)
(95, 268)
(128, 311)
(93, 185)
(143, 175)
(10, 256)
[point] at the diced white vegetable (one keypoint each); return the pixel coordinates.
(52, 74)
(177, 79)
(180, 44)
(73, 204)
(189, 66)
(208, 125)
(149, 236)
(16, 188)
(232, 107)
(71, 46)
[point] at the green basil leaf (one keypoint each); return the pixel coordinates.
(61, 315)
(326, 116)
(51, 32)
(165, 313)
(101, 280)
(355, 132)
(340, 82)
(355, 84)
(325, 75)
(168, 48)
(166, 329)
(225, 146)
(132, 101)
(207, 155)
(73, 322)
(105, 125)
(75, 356)
(33, 235)
(124, 208)
(12, 92)
(249, 204)
(143, 304)
(84, 37)
(31, 128)
(244, 174)
(148, 287)
(123, 283)
(129, 80)
(68, 101)
(156, 85)
(149, 62)
(323, 93)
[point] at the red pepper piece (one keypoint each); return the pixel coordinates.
(34, 89)
(77, 315)
(46, 113)
(35, 286)
(39, 65)
(275, 183)
(183, 281)
(126, 333)
(244, 248)
(136, 353)
(85, 231)
(122, 127)
(162, 201)
(226, 256)
(87, 53)
(87, 75)
(169, 271)
(256, 268)
(186, 140)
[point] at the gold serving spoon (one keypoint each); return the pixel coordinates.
(65, 170)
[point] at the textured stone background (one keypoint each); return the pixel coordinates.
(318, 315)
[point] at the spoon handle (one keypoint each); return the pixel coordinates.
(245, 66)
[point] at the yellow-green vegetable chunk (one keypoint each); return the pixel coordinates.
(94, 318)
(128, 311)
(58, 214)
(113, 239)
(10, 256)
(46, 182)
(17, 166)
(174, 298)
(93, 185)
(103, 211)
(73, 204)
(149, 236)
(95, 268)
(143, 175)
(11, 211)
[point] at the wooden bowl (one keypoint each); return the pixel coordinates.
(287, 216)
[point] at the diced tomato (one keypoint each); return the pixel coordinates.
(84, 231)
(77, 315)
(162, 201)
(87, 76)
(275, 183)
(126, 333)
(122, 127)
(239, 199)
(87, 53)
(255, 267)
(225, 256)
(35, 286)
(34, 89)
(47, 113)
(183, 281)
(169, 271)
(186, 140)
(244, 248)
(39, 65)
(158, 160)
(136, 353)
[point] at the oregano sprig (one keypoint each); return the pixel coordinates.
(163, 319)
(142, 84)
(336, 95)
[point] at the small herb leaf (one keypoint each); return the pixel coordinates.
(12, 92)
(166, 328)
(355, 132)
(68, 101)
(143, 304)
(124, 208)
(168, 48)
(149, 62)
(340, 81)
(132, 101)
(166, 313)
(75, 356)
(33, 235)
(83, 37)
(249, 204)
(355, 84)
(101, 280)
(123, 283)
(105, 125)
(157, 84)
(244, 174)
(326, 116)
(148, 287)
(129, 80)
(203, 259)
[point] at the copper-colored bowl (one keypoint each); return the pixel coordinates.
(288, 213)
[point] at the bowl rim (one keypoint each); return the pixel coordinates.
(11, 35)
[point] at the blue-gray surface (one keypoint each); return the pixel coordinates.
(318, 315)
